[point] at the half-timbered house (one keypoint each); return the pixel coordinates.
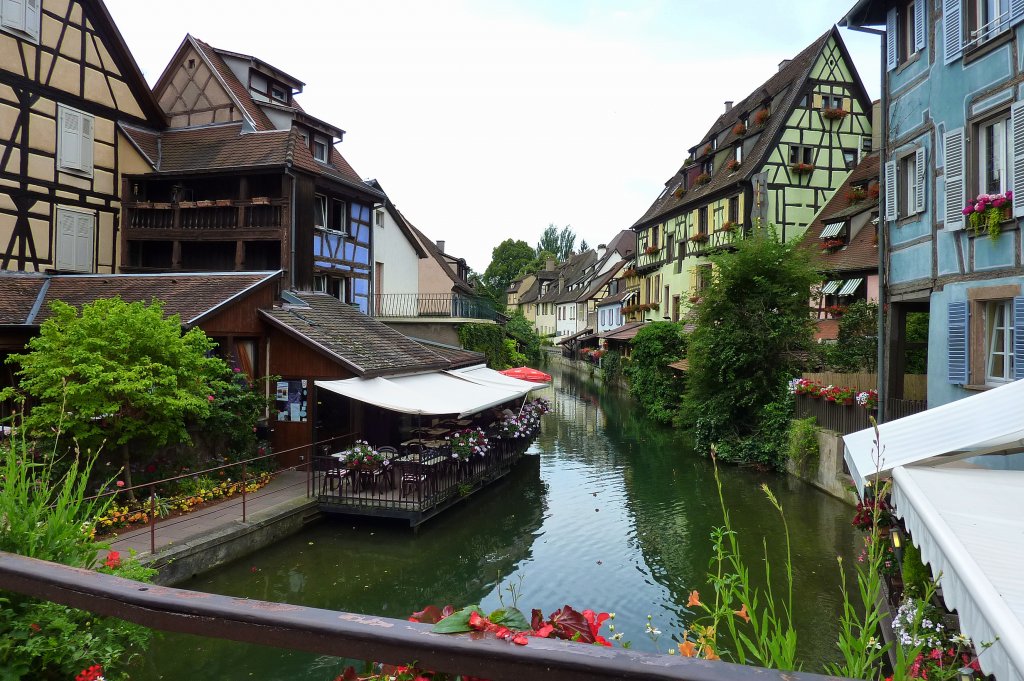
(773, 159)
(245, 179)
(67, 84)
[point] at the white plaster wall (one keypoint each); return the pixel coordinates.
(401, 262)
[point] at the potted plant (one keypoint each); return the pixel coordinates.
(699, 238)
(708, 148)
(802, 168)
(873, 512)
(651, 250)
(468, 442)
(732, 165)
(703, 178)
(834, 114)
(761, 117)
(728, 227)
(987, 212)
(739, 129)
(361, 456)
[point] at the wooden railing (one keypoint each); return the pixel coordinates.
(715, 240)
(915, 386)
(831, 416)
(206, 215)
(356, 636)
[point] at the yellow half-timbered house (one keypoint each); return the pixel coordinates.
(67, 83)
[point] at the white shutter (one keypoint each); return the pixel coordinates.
(83, 242)
(891, 196)
(953, 30)
(1017, 145)
(920, 19)
(1016, 11)
(921, 178)
(12, 14)
(32, 18)
(955, 194)
(65, 257)
(891, 40)
(87, 142)
(70, 142)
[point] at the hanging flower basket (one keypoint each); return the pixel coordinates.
(836, 114)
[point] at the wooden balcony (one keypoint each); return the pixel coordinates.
(715, 240)
(259, 218)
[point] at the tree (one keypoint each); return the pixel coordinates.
(560, 242)
(584, 246)
(651, 381)
(120, 374)
(856, 348)
(538, 263)
(507, 262)
(753, 324)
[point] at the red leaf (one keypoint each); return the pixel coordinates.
(431, 614)
(571, 625)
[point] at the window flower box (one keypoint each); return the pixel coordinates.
(728, 227)
(223, 203)
(163, 205)
(187, 204)
(987, 212)
(699, 238)
(708, 148)
(802, 168)
(631, 272)
(834, 114)
(856, 196)
(703, 178)
(830, 245)
(835, 311)
(761, 117)
(739, 129)
(679, 192)
(651, 250)
(694, 300)
(732, 165)
(204, 204)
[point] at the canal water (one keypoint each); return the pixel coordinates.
(611, 513)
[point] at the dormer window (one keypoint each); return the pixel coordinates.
(320, 149)
(279, 93)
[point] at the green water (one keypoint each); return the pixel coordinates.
(611, 513)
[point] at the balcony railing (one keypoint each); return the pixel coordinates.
(356, 636)
(414, 305)
(719, 239)
(206, 215)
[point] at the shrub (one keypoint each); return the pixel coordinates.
(803, 443)
(917, 578)
(657, 387)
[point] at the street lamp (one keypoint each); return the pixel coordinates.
(896, 537)
(965, 674)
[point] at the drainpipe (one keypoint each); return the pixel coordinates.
(883, 230)
(291, 230)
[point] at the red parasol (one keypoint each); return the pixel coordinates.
(527, 374)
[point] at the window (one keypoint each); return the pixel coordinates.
(999, 357)
(708, 167)
(320, 149)
(799, 153)
(320, 211)
(992, 156)
(75, 238)
(702, 277)
(908, 181)
(378, 217)
(734, 209)
(831, 102)
(850, 158)
(20, 17)
(737, 154)
(906, 32)
(74, 152)
(279, 93)
(338, 216)
(702, 220)
(986, 19)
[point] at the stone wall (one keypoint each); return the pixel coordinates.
(828, 476)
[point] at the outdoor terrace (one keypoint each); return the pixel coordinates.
(435, 305)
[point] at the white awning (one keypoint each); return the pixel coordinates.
(969, 525)
(989, 422)
(831, 287)
(850, 287)
(832, 229)
(483, 375)
(429, 394)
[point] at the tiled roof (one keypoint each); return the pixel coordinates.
(783, 90)
(146, 141)
(361, 343)
(599, 283)
(458, 357)
(617, 298)
(682, 365)
(627, 331)
(191, 296)
(862, 252)
(235, 88)
(575, 336)
(572, 272)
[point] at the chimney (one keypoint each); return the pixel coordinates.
(728, 106)
(784, 63)
(549, 265)
(601, 248)
(440, 245)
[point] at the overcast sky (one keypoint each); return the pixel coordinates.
(485, 120)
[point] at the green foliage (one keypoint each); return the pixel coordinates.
(560, 242)
(46, 516)
(507, 261)
(917, 578)
(917, 343)
(766, 445)
(538, 263)
(118, 373)
(856, 349)
(655, 386)
(803, 443)
(753, 323)
(525, 335)
(490, 339)
(611, 366)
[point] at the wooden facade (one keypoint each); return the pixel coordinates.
(66, 82)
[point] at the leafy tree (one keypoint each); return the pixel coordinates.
(538, 263)
(584, 246)
(654, 385)
(119, 374)
(856, 348)
(490, 339)
(560, 242)
(523, 332)
(753, 324)
(507, 261)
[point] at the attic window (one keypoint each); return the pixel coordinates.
(278, 93)
(191, 64)
(320, 149)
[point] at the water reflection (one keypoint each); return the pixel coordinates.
(610, 512)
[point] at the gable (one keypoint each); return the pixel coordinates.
(191, 93)
(81, 53)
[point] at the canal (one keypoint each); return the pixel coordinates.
(613, 513)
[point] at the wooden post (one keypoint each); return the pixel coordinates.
(244, 485)
(176, 254)
(152, 519)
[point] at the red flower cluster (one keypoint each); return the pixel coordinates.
(113, 560)
(864, 518)
(93, 673)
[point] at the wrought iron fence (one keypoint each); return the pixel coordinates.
(451, 305)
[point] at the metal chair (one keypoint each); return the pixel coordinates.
(414, 476)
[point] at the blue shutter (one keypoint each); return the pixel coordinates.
(920, 25)
(891, 40)
(1016, 11)
(958, 343)
(953, 30)
(1018, 338)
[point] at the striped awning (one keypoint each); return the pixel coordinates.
(831, 287)
(850, 287)
(832, 229)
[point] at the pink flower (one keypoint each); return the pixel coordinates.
(120, 483)
(209, 397)
(1009, 196)
(968, 209)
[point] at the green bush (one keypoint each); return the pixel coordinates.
(917, 578)
(611, 366)
(490, 339)
(655, 386)
(856, 348)
(803, 443)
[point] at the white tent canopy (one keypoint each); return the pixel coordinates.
(432, 393)
(969, 525)
(986, 423)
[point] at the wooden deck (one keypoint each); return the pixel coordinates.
(413, 488)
